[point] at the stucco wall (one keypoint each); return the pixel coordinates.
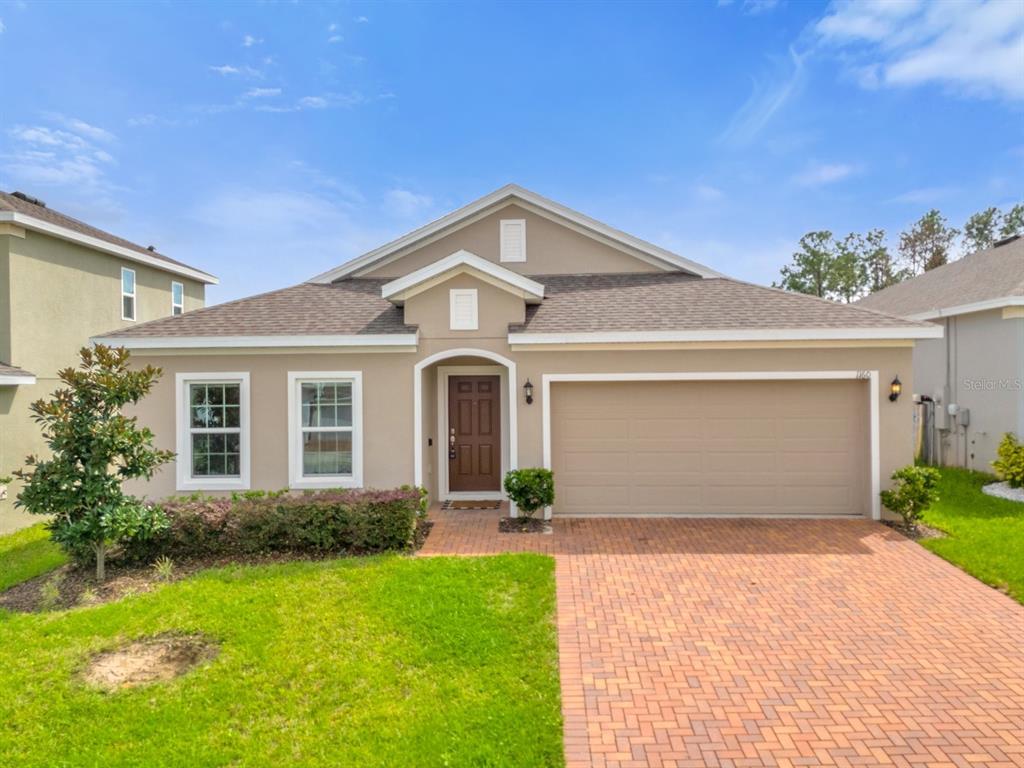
(978, 365)
(59, 295)
(388, 398)
(551, 249)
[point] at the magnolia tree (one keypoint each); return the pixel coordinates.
(95, 448)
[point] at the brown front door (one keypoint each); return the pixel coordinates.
(474, 433)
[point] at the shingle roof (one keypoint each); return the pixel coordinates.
(11, 370)
(573, 303)
(991, 274)
(348, 307)
(670, 301)
(9, 202)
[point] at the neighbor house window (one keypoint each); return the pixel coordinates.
(463, 306)
(325, 429)
(213, 431)
(127, 293)
(513, 239)
(177, 298)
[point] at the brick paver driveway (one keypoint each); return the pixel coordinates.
(735, 643)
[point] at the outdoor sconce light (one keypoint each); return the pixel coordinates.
(895, 390)
(528, 391)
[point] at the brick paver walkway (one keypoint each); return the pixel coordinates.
(777, 642)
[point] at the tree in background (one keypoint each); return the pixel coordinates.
(94, 449)
(849, 271)
(1013, 222)
(813, 268)
(926, 245)
(980, 230)
(880, 268)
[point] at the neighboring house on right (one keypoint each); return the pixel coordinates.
(975, 374)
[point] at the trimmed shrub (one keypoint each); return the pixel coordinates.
(912, 493)
(1010, 464)
(324, 522)
(530, 489)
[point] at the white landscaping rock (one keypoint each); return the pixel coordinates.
(1004, 491)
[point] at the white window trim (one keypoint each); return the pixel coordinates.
(296, 479)
(453, 295)
(133, 294)
(184, 442)
(444, 372)
(175, 306)
(501, 240)
(871, 377)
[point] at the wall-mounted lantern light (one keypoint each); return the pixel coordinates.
(528, 391)
(895, 389)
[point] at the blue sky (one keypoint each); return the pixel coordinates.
(268, 142)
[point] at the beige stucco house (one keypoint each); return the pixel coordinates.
(516, 332)
(62, 281)
(974, 375)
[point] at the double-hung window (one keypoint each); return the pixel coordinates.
(325, 438)
(127, 293)
(213, 431)
(177, 298)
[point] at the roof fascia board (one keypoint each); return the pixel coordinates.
(17, 381)
(402, 287)
(45, 227)
(738, 334)
(963, 309)
(211, 342)
(480, 208)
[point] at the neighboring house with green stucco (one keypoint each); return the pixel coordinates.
(62, 281)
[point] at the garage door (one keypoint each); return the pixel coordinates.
(711, 448)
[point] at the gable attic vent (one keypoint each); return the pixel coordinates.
(513, 240)
(29, 199)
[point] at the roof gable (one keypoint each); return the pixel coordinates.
(515, 195)
(397, 291)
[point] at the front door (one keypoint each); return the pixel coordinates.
(474, 433)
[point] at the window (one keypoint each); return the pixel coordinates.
(463, 306)
(127, 293)
(177, 298)
(325, 429)
(513, 239)
(213, 431)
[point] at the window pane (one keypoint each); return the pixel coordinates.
(326, 404)
(176, 310)
(216, 455)
(327, 453)
(128, 307)
(197, 394)
(177, 293)
(232, 417)
(127, 281)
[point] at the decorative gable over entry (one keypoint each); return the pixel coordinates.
(462, 262)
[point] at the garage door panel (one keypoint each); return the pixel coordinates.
(723, 447)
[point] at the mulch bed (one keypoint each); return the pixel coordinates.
(73, 585)
(921, 532)
(523, 525)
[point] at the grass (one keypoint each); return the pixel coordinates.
(27, 553)
(986, 534)
(370, 662)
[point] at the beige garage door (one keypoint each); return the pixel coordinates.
(711, 448)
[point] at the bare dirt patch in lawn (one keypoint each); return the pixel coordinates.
(152, 660)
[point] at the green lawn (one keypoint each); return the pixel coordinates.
(27, 553)
(364, 662)
(986, 534)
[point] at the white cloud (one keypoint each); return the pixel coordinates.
(975, 48)
(142, 120)
(756, 7)
(335, 39)
(923, 195)
(3, 28)
(85, 129)
(708, 193)
(405, 204)
(262, 93)
(313, 102)
(768, 97)
(824, 173)
(249, 41)
(361, 20)
(231, 69)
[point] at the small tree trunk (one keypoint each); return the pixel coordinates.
(101, 560)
